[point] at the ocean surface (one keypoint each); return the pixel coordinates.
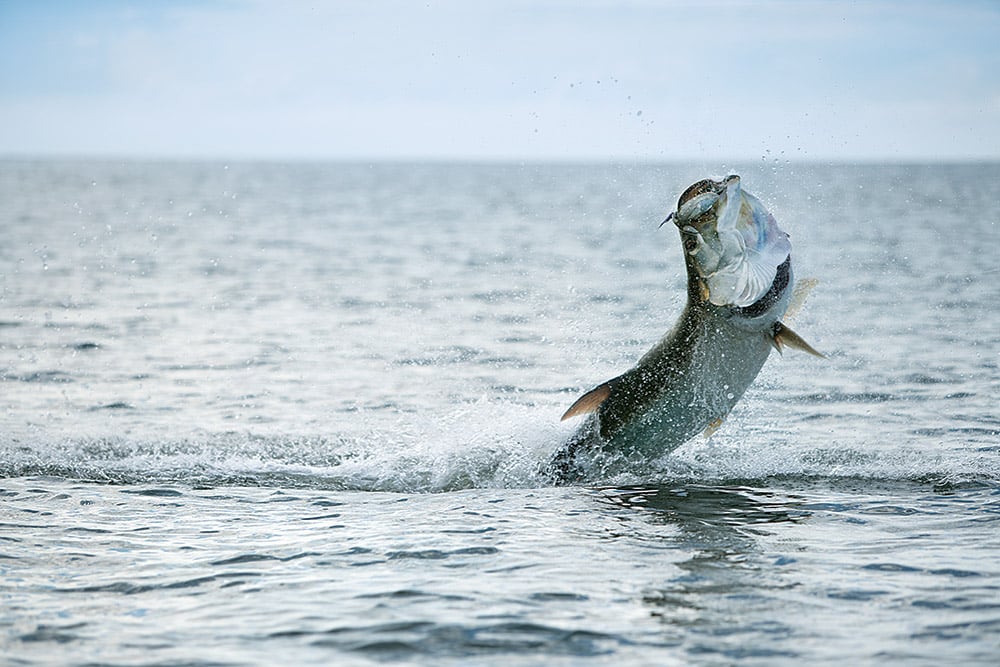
(258, 414)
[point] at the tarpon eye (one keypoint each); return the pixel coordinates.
(690, 239)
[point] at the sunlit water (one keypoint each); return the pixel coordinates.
(295, 414)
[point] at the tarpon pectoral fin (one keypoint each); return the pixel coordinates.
(783, 336)
(589, 402)
(713, 426)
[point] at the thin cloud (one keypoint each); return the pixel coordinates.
(540, 80)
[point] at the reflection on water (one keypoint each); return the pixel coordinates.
(695, 506)
(721, 601)
(729, 579)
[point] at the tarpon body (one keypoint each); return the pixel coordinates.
(739, 286)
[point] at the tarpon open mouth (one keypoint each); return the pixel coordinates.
(734, 242)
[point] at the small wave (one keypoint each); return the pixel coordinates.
(117, 405)
(44, 377)
(408, 640)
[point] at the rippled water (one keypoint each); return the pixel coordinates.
(262, 413)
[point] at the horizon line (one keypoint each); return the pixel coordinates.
(206, 158)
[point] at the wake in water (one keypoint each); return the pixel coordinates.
(482, 445)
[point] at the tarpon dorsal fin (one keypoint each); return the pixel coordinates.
(589, 402)
(783, 336)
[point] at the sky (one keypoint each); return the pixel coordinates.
(521, 80)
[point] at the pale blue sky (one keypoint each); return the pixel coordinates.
(532, 79)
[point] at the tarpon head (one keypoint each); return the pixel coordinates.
(732, 245)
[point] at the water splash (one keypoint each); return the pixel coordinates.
(487, 444)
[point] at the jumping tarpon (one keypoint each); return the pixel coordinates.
(739, 276)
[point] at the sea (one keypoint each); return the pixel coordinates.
(263, 413)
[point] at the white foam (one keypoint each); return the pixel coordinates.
(485, 444)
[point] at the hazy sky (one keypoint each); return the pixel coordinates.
(538, 79)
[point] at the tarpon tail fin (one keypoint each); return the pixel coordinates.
(783, 336)
(589, 402)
